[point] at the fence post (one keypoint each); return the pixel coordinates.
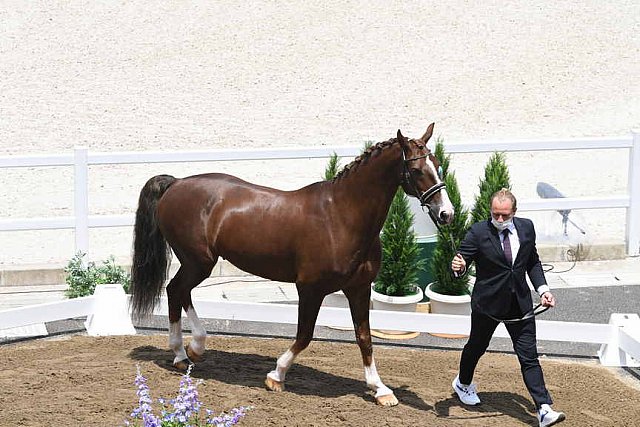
(612, 353)
(633, 212)
(81, 198)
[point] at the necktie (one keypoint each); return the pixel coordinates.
(506, 246)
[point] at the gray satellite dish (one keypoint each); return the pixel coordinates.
(547, 191)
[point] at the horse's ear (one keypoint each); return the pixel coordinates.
(428, 133)
(404, 142)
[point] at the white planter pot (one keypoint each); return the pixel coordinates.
(386, 302)
(448, 304)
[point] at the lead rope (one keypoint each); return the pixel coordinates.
(528, 315)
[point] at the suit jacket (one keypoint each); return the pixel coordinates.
(496, 280)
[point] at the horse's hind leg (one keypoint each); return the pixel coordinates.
(308, 308)
(195, 349)
(359, 297)
(179, 297)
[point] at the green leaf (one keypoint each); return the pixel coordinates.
(82, 279)
(332, 168)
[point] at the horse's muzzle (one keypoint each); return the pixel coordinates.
(445, 217)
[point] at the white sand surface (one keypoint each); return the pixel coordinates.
(157, 75)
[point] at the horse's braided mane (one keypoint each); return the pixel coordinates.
(364, 156)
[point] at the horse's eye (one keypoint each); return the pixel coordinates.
(440, 172)
(417, 172)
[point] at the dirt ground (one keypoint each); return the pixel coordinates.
(81, 381)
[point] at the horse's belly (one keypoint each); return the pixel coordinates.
(270, 267)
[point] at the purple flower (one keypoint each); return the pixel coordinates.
(226, 420)
(185, 407)
(187, 404)
(144, 411)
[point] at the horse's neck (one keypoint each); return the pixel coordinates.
(369, 189)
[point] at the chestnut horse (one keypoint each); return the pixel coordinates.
(324, 237)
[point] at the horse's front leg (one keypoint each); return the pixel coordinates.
(358, 297)
(308, 309)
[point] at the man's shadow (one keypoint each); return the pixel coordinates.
(250, 370)
(498, 406)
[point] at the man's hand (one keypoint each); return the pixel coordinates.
(458, 264)
(547, 299)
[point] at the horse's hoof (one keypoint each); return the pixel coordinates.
(193, 356)
(387, 400)
(182, 365)
(274, 385)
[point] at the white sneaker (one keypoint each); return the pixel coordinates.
(466, 393)
(549, 417)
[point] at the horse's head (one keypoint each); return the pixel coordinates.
(422, 177)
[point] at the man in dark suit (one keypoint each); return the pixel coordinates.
(504, 249)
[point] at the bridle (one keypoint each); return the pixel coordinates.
(424, 196)
(538, 309)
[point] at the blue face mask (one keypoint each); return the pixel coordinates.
(501, 226)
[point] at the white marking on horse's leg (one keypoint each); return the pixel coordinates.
(199, 334)
(175, 341)
(373, 380)
(282, 366)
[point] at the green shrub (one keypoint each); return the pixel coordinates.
(401, 260)
(496, 177)
(442, 157)
(332, 168)
(82, 279)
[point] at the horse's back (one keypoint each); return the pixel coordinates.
(214, 183)
(256, 228)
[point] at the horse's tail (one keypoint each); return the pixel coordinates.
(151, 253)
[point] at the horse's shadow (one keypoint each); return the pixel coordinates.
(250, 370)
(494, 405)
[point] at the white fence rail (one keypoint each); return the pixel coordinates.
(81, 221)
(107, 315)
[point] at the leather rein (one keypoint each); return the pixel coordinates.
(538, 309)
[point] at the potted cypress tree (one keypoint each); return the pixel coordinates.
(395, 287)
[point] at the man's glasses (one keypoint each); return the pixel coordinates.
(505, 217)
